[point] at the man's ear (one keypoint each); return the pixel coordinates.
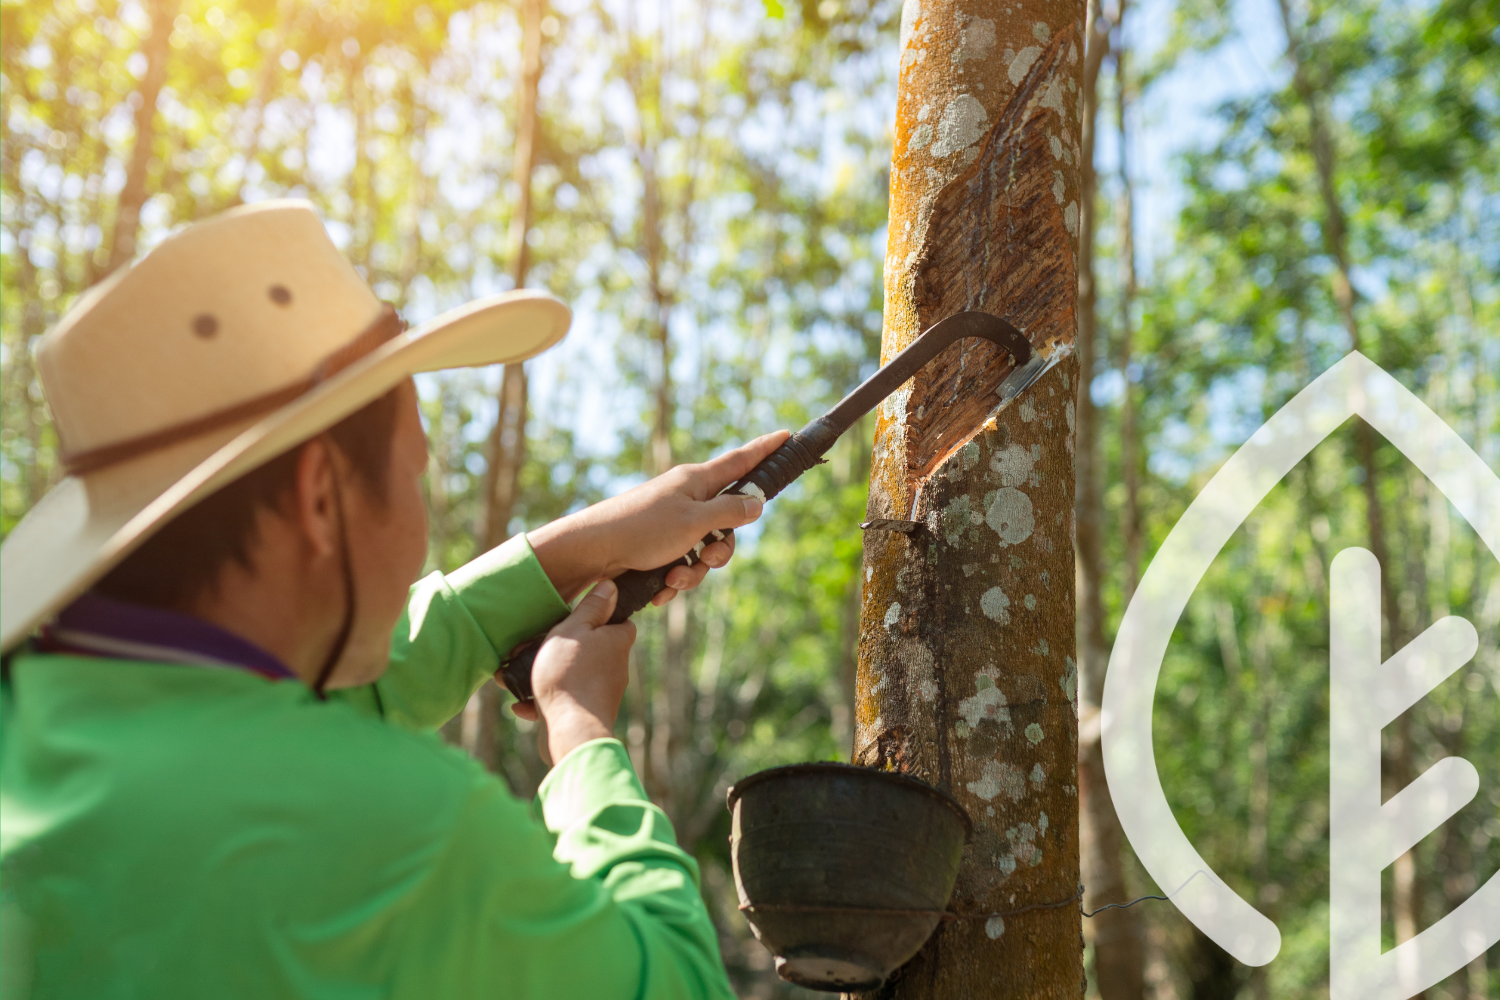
(314, 502)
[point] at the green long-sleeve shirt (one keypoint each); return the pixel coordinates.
(170, 831)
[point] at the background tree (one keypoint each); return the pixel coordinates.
(774, 141)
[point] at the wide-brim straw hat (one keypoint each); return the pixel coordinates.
(230, 342)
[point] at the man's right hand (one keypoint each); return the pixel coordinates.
(580, 675)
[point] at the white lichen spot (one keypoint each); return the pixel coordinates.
(962, 125)
(969, 569)
(1059, 190)
(1034, 733)
(1070, 218)
(920, 137)
(1030, 601)
(1023, 844)
(1014, 464)
(1052, 97)
(987, 702)
(895, 403)
(976, 39)
(893, 614)
(1021, 64)
(1041, 31)
(1041, 824)
(911, 13)
(1006, 864)
(1028, 410)
(994, 927)
(1069, 682)
(1041, 648)
(1038, 779)
(996, 605)
(924, 111)
(1011, 515)
(869, 572)
(1057, 149)
(999, 779)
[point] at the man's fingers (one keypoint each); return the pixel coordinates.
(734, 464)
(718, 553)
(595, 609)
(524, 710)
(729, 510)
(686, 577)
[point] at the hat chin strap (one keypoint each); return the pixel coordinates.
(325, 672)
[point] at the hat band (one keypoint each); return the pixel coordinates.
(383, 329)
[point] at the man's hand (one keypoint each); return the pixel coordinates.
(580, 676)
(654, 524)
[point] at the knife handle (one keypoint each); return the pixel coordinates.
(637, 587)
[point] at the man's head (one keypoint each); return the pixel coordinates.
(263, 556)
(234, 339)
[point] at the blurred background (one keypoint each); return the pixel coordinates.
(705, 183)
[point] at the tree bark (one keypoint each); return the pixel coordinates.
(127, 227)
(1407, 888)
(1116, 934)
(664, 696)
(966, 675)
(1130, 450)
(508, 442)
(507, 451)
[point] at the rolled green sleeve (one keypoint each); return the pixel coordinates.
(610, 909)
(454, 632)
(596, 901)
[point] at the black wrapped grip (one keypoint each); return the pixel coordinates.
(775, 473)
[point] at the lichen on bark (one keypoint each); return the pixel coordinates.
(967, 676)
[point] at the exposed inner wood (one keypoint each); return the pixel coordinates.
(997, 241)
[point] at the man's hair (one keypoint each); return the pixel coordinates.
(185, 557)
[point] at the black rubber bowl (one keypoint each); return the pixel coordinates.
(843, 871)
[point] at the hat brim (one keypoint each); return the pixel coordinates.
(86, 524)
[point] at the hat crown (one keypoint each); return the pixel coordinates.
(220, 313)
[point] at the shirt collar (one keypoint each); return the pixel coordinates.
(95, 625)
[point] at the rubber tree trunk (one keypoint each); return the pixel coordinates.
(1130, 450)
(966, 674)
(507, 452)
(1307, 78)
(509, 441)
(127, 226)
(1116, 934)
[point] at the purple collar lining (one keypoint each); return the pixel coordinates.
(101, 626)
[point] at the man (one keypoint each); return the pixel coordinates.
(217, 765)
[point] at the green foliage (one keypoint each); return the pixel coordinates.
(1241, 313)
(710, 195)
